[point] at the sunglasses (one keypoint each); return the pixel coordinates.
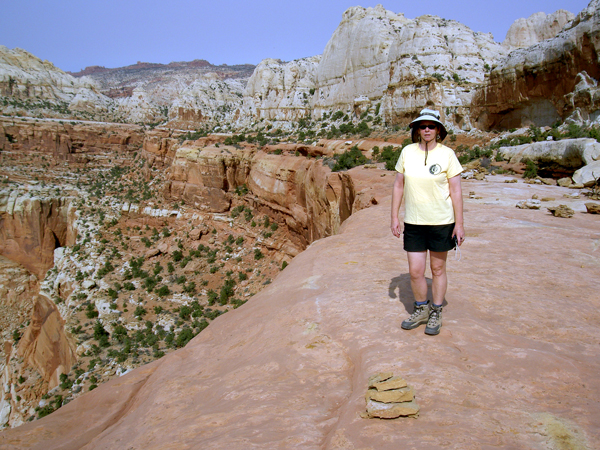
(431, 127)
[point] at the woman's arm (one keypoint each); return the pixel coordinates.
(397, 193)
(457, 204)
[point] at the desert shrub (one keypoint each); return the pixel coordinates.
(184, 336)
(349, 159)
(212, 297)
(101, 335)
(389, 155)
(91, 311)
(530, 169)
(226, 291)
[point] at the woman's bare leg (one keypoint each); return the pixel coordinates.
(440, 280)
(417, 261)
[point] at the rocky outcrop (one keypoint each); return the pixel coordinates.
(69, 141)
(537, 85)
(18, 288)
(281, 91)
(208, 100)
(31, 228)
(168, 91)
(30, 84)
(45, 345)
(536, 28)
(564, 156)
(376, 57)
(295, 190)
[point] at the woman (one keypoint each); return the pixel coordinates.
(429, 180)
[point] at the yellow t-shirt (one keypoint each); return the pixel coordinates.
(426, 187)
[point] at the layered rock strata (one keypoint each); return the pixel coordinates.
(70, 141)
(376, 57)
(537, 85)
(25, 78)
(295, 190)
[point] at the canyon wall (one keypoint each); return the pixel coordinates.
(67, 140)
(298, 191)
(536, 28)
(551, 81)
(378, 57)
(26, 79)
(31, 228)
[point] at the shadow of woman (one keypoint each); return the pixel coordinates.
(401, 284)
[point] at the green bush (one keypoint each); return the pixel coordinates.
(530, 169)
(389, 155)
(163, 291)
(349, 159)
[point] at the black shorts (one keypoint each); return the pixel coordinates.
(436, 238)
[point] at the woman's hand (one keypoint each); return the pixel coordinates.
(459, 234)
(396, 227)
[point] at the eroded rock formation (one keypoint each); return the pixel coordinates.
(31, 228)
(536, 28)
(70, 141)
(537, 85)
(299, 191)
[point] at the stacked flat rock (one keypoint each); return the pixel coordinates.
(389, 397)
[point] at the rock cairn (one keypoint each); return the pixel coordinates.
(389, 397)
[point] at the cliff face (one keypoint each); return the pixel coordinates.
(68, 140)
(376, 61)
(207, 99)
(377, 56)
(31, 228)
(296, 190)
(32, 84)
(536, 28)
(281, 91)
(547, 82)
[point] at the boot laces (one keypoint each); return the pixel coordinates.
(434, 316)
(417, 312)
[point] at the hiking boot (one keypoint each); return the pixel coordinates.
(435, 320)
(418, 317)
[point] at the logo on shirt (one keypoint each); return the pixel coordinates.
(435, 169)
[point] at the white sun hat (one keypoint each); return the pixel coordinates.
(430, 115)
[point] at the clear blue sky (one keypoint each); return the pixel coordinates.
(74, 34)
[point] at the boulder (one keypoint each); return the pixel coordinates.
(529, 204)
(588, 175)
(561, 211)
(568, 153)
(592, 208)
